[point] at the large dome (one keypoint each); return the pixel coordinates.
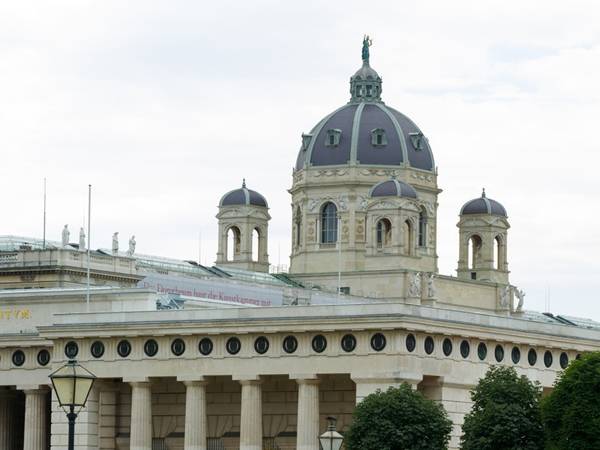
(354, 129)
(366, 131)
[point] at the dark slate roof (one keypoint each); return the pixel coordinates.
(406, 144)
(243, 196)
(393, 187)
(483, 205)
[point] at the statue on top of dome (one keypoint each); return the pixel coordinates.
(367, 42)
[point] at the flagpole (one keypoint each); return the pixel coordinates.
(87, 299)
(44, 232)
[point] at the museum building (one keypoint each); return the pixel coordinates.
(234, 357)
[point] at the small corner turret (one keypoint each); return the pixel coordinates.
(483, 231)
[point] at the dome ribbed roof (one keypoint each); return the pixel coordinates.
(483, 205)
(243, 196)
(393, 187)
(356, 126)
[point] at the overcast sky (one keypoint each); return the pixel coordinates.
(165, 106)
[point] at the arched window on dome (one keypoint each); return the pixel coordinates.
(332, 138)
(422, 228)
(384, 233)
(474, 251)
(255, 244)
(329, 225)
(378, 137)
(407, 237)
(234, 240)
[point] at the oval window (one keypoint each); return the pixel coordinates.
(465, 349)
(97, 349)
(151, 347)
(532, 357)
(378, 342)
(124, 348)
(290, 344)
(71, 349)
(319, 343)
(261, 345)
(447, 347)
(515, 355)
(205, 346)
(348, 343)
(482, 351)
(429, 345)
(233, 346)
(411, 343)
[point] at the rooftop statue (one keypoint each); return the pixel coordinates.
(65, 236)
(131, 249)
(115, 243)
(81, 239)
(367, 42)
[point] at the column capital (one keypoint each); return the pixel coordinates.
(304, 376)
(246, 377)
(140, 384)
(246, 382)
(190, 377)
(136, 380)
(309, 381)
(192, 383)
(34, 390)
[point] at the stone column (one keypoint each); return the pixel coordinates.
(308, 414)
(195, 415)
(251, 429)
(6, 419)
(141, 416)
(34, 437)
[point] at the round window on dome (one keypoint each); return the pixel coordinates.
(411, 343)
(290, 344)
(378, 342)
(465, 349)
(205, 346)
(233, 346)
(447, 347)
(319, 343)
(261, 345)
(429, 345)
(482, 351)
(348, 343)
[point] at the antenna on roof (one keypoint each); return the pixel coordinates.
(44, 231)
(89, 245)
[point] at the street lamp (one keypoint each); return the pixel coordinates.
(331, 439)
(72, 384)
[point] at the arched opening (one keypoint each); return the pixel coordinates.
(423, 228)
(474, 251)
(298, 224)
(329, 223)
(407, 237)
(384, 233)
(498, 253)
(255, 244)
(234, 241)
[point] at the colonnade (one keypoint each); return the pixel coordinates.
(35, 430)
(251, 428)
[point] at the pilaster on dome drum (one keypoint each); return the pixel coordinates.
(243, 196)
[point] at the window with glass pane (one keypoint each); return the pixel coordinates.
(329, 223)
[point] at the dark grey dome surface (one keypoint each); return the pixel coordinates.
(243, 196)
(394, 188)
(483, 205)
(355, 122)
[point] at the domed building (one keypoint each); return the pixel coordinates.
(339, 210)
(233, 356)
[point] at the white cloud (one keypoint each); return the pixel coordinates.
(165, 106)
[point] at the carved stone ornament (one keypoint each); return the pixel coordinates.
(431, 290)
(421, 176)
(330, 172)
(298, 176)
(362, 203)
(384, 205)
(521, 297)
(380, 172)
(414, 286)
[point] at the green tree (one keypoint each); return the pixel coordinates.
(398, 419)
(506, 413)
(571, 413)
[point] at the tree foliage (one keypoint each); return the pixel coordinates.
(506, 413)
(398, 419)
(571, 413)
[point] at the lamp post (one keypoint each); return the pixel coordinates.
(331, 439)
(72, 384)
